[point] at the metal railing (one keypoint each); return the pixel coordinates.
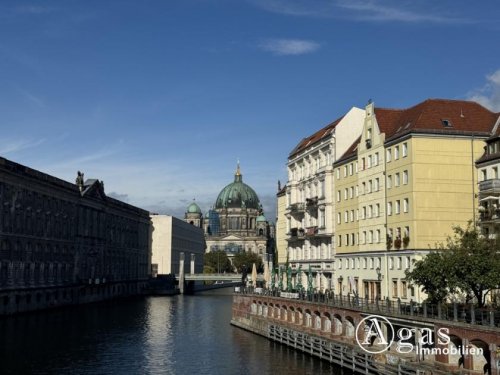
(454, 312)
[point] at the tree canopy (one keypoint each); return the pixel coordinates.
(217, 262)
(467, 263)
(247, 259)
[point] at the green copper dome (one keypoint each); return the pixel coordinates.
(261, 218)
(237, 195)
(193, 208)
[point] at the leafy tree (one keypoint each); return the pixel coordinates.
(217, 261)
(468, 262)
(247, 259)
(475, 263)
(432, 275)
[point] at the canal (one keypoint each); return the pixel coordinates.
(153, 335)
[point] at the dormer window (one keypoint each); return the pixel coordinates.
(446, 123)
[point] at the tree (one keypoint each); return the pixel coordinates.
(247, 259)
(217, 262)
(467, 263)
(475, 263)
(431, 274)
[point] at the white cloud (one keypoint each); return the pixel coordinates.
(360, 10)
(489, 94)
(10, 146)
(289, 46)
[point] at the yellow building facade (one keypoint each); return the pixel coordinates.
(281, 232)
(399, 189)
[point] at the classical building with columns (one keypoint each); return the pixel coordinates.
(64, 243)
(237, 223)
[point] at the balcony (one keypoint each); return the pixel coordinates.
(297, 208)
(312, 231)
(312, 203)
(492, 214)
(490, 186)
(296, 234)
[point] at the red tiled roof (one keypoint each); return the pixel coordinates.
(463, 117)
(315, 138)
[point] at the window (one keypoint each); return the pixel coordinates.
(350, 169)
(404, 149)
(391, 263)
(363, 191)
(352, 215)
(346, 193)
(388, 155)
(363, 237)
(347, 240)
(340, 245)
(404, 289)
(352, 239)
(356, 167)
(399, 263)
(339, 217)
(377, 236)
(357, 214)
(338, 173)
(396, 179)
(338, 195)
(357, 190)
(351, 192)
(363, 164)
(484, 175)
(389, 208)
(364, 213)
(405, 177)
(377, 184)
(346, 217)
(369, 186)
(407, 232)
(370, 236)
(397, 207)
(389, 182)
(495, 172)
(365, 263)
(347, 264)
(369, 161)
(345, 170)
(370, 210)
(377, 210)
(375, 159)
(396, 152)
(405, 205)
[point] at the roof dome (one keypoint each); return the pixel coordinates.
(237, 195)
(261, 218)
(193, 208)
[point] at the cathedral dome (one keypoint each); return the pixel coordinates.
(193, 208)
(237, 195)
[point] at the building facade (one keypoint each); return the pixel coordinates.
(171, 237)
(237, 222)
(281, 230)
(397, 191)
(64, 243)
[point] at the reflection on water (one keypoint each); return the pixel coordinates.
(154, 335)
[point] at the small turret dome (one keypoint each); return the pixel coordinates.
(193, 208)
(261, 219)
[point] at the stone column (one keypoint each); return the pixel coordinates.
(193, 256)
(181, 272)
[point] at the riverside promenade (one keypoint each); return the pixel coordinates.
(326, 326)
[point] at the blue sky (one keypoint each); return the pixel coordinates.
(160, 98)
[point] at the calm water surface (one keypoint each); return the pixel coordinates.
(154, 335)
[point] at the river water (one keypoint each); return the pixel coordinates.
(152, 335)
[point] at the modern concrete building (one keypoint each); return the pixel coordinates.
(64, 243)
(310, 202)
(171, 237)
(413, 179)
